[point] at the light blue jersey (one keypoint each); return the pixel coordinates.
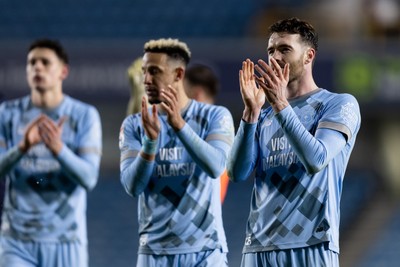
(45, 199)
(179, 206)
(313, 256)
(300, 165)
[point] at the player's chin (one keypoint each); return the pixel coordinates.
(154, 101)
(40, 88)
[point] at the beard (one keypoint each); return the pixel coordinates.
(296, 70)
(153, 96)
(154, 101)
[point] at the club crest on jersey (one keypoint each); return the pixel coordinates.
(306, 115)
(267, 123)
(268, 120)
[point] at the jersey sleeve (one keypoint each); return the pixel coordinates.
(135, 171)
(9, 156)
(3, 127)
(343, 115)
(244, 152)
(211, 154)
(222, 129)
(84, 165)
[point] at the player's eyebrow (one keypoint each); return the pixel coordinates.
(281, 46)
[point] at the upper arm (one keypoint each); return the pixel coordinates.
(343, 116)
(221, 131)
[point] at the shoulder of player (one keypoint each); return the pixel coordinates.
(332, 100)
(13, 107)
(209, 108)
(343, 99)
(79, 108)
(338, 97)
(68, 100)
(132, 120)
(18, 103)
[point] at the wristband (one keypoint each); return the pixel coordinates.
(149, 146)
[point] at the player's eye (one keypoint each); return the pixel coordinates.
(154, 71)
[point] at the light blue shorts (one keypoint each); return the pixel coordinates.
(209, 258)
(16, 253)
(318, 255)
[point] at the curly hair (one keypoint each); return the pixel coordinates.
(296, 26)
(172, 47)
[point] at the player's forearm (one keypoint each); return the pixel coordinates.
(211, 159)
(9, 159)
(83, 170)
(135, 174)
(315, 152)
(241, 159)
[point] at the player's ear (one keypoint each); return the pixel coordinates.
(64, 71)
(179, 73)
(309, 56)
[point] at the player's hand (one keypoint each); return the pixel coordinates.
(171, 107)
(253, 97)
(151, 123)
(31, 135)
(51, 133)
(274, 81)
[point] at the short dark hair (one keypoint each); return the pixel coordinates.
(172, 47)
(199, 74)
(296, 26)
(53, 45)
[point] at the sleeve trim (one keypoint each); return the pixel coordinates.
(337, 127)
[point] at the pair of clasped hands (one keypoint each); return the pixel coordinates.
(43, 129)
(272, 79)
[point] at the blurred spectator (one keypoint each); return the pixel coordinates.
(202, 84)
(383, 18)
(135, 76)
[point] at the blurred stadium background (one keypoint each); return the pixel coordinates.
(359, 53)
